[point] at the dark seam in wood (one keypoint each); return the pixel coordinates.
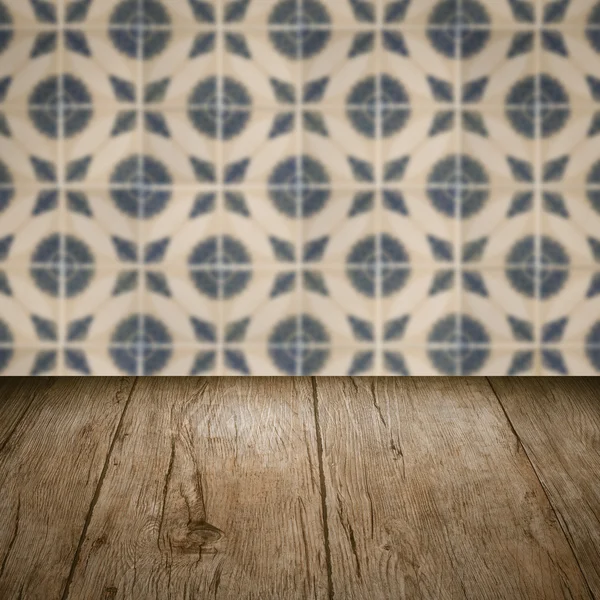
(354, 384)
(12, 539)
(376, 404)
(323, 491)
(561, 523)
(25, 413)
(166, 489)
(310, 462)
(88, 517)
(200, 494)
(216, 579)
(349, 531)
(304, 539)
(370, 499)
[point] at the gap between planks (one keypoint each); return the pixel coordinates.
(558, 427)
(96, 495)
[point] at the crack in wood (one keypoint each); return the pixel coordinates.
(349, 532)
(559, 518)
(376, 404)
(323, 486)
(301, 511)
(165, 491)
(96, 496)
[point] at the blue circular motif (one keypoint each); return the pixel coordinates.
(593, 28)
(593, 193)
(227, 115)
(592, 346)
(298, 345)
(134, 28)
(51, 264)
(141, 186)
(6, 34)
(521, 267)
(143, 340)
(60, 100)
(7, 190)
(299, 186)
(384, 97)
(458, 345)
(365, 258)
(525, 100)
(6, 340)
(303, 29)
(220, 267)
(458, 181)
(459, 28)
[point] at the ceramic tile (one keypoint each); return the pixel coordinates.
(494, 298)
(29, 148)
(504, 218)
(503, 72)
(568, 157)
(30, 15)
(413, 71)
(482, 15)
(343, 301)
(316, 187)
(29, 68)
(30, 307)
(29, 361)
(582, 14)
(413, 301)
(570, 71)
(571, 219)
(570, 325)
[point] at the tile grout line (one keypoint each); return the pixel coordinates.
(220, 187)
(283, 345)
(233, 266)
(62, 216)
(96, 496)
(537, 187)
(379, 318)
(555, 511)
(458, 229)
(299, 193)
(140, 130)
(257, 187)
(203, 28)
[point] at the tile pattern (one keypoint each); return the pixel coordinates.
(300, 187)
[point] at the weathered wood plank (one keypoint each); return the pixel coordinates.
(49, 471)
(212, 492)
(16, 396)
(558, 423)
(430, 495)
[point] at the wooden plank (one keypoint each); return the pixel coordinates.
(429, 495)
(558, 423)
(213, 492)
(49, 471)
(16, 396)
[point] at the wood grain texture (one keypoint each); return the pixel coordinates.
(212, 492)
(430, 495)
(558, 423)
(49, 471)
(16, 396)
